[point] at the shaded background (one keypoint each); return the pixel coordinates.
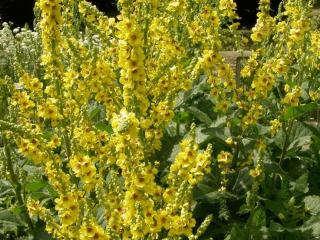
(20, 12)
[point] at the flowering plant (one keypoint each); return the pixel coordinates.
(132, 128)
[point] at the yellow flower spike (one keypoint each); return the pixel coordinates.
(256, 172)
(224, 158)
(314, 95)
(227, 8)
(275, 126)
(90, 230)
(23, 100)
(134, 68)
(84, 168)
(292, 97)
(229, 140)
(54, 142)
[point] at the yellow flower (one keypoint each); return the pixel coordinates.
(49, 110)
(92, 231)
(229, 140)
(292, 97)
(224, 158)
(163, 219)
(275, 126)
(68, 208)
(256, 172)
(83, 167)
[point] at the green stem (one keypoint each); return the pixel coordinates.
(286, 143)
(178, 128)
(16, 184)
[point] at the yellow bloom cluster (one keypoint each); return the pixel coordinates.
(189, 165)
(292, 96)
(83, 168)
(131, 60)
(265, 22)
(275, 126)
(290, 40)
(224, 162)
(99, 108)
(128, 73)
(68, 208)
(51, 18)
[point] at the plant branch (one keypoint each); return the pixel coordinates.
(16, 184)
(286, 143)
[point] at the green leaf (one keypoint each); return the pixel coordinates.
(299, 111)
(300, 139)
(216, 196)
(313, 129)
(9, 221)
(52, 192)
(276, 227)
(202, 137)
(274, 206)
(102, 126)
(32, 169)
(301, 184)
(219, 123)
(243, 182)
(312, 224)
(312, 204)
(94, 113)
(238, 233)
(100, 216)
(182, 117)
(258, 217)
(200, 115)
(35, 186)
(301, 142)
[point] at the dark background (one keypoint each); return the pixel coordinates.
(21, 11)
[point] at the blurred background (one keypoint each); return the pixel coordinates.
(20, 12)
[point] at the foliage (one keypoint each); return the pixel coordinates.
(138, 128)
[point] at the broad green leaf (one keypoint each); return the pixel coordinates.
(238, 233)
(201, 136)
(52, 192)
(299, 139)
(174, 152)
(263, 130)
(9, 221)
(35, 186)
(259, 217)
(243, 182)
(93, 114)
(216, 196)
(202, 189)
(301, 184)
(100, 216)
(182, 117)
(299, 111)
(200, 115)
(32, 169)
(312, 224)
(312, 204)
(219, 122)
(301, 142)
(315, 130)
(216, 136)
(276, 227)
(102, 126)
(275, 206)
